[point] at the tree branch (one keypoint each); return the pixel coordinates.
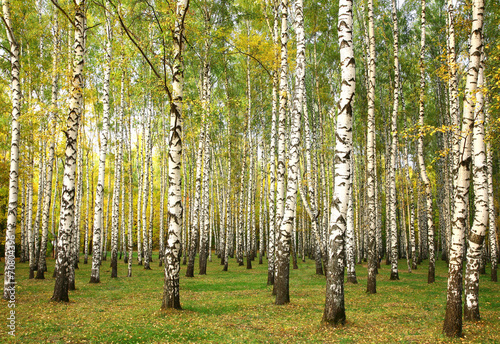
(127, 31)
(64, 12)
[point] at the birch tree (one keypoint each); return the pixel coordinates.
(420, 145)
(66, 226)
(15, 96)
(118, 186)
(288, 217)
(453, 318)
(371, 161)
(171, 297)
(334, 313)
(492, 229)
(393, 149)
(480, 223)
(99, 199)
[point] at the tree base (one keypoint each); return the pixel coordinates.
(190, 271)
(431, 276)
(494, 277)
(352, 279)
(335, 318)
(270, 277)
(94, 280)
(394, 276)
(471, 314)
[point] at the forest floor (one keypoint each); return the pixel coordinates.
(237, 307)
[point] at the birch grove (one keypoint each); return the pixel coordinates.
(228, 132)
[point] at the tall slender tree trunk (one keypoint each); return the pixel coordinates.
(282, 243)
(172, 252)
(334, 313)
(22, 255)
(478, 231)
(15, 95)
(421, 163)
(195, 224)
(229, 228)
(492, 228)
(118, 186)
(453, 319)
(52, 215)
(66, 226)
(204, 228)
(145, 188)
(130, 199)
(288, 218)
(350, 235)
(99, 199)
(90, 166)
(394, 147)
(372, 163)
(272, 156)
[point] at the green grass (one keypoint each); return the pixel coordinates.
(237, 307)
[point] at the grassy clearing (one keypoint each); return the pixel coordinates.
(237, 306)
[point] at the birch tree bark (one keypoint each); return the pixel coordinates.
(371, 163)
(99, 199)
(229, 228)
(195, 224)
(66, 226)
(452, 326)
(480, 181)
(40, 198)
(204, 228)
(130, 199)
(42, 266)
(334, 313)
(393, 149)
(287, 218)
(145, 189)
(272, 156)
(350, 233)
(118, 186)
(421, 162)
(492, 228)
(87, 209)
(172, 252)
(22, 255)
(15, 96)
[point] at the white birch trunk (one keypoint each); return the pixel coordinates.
(393, 150)
(145, 189)
(99, 199)
(130, 200)
(492, 228)
(272, 158)
(286, 211)
(15, 96)
(173, 247)
(453, 319)
(66, 226)
(480, 223)
(118, 186)
(421, 163)
(371, 163)
(334, 313)
(90, 166)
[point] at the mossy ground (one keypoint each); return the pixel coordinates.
(237, 307)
